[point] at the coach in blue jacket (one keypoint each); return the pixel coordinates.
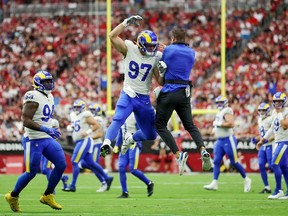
(177, 62)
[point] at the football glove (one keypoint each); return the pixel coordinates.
(116, 149)
(132, 20)
(53, 132)
(105, 149)
(161, 68)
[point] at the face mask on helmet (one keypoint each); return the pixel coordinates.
(43, 81)
(147, 42)
(221, 102)
(95, 109)
(263, 110)
(79, 106)
(279, 100)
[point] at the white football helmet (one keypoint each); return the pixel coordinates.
(79, 106)
(221, 102)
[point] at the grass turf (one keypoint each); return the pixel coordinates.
(173, 195)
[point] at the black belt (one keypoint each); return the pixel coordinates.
(182, 82)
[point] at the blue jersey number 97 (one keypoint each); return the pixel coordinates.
(134, 70)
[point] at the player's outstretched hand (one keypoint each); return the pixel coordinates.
(161, 68)
(116, 149)
(132, 20)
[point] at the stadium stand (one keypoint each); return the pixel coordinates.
(73, 46)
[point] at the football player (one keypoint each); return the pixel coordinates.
(84, 124)
(226, 143)
(279, 128)
(140, 61)
(131, 157)
(38, 108)
(265, 151)
(97, 136)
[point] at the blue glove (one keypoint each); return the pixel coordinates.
(254, 140)
(53, 132)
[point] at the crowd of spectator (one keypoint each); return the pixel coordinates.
(73, 49)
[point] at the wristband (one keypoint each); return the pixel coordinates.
(44, 129)
(89, 131)
(125, 23)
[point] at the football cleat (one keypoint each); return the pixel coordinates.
(212, 186)
(206, 160)
(181, 161)
(49, 200)
(123, 195)
(276, 195)
(247, 184)
(103, 188)
(64, 180)
(284, 197)
(13, 202)
(150, 188)
(127, 142)
(109, 182)
(105, 149)
(265, 190)
(70, 188)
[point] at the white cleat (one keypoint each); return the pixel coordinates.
(103, 188)
(247, 184)
(212, 186)
(127, 142)
(181, 161)
(276, 195)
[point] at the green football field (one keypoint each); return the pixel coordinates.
(173, 195)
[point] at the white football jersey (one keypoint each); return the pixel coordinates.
(100, 121)
(55, 123)
(221, 132)
(43, 113)
(138, 69)
(280, 134)
(130, 125)
(80, 125)
(264, 125)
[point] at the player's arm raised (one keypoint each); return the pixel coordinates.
(116, 41)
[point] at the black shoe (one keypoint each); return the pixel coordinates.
(150, 189)
(109, 182)
(123, 195)
(265, 190)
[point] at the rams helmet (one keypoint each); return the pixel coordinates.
(221, 102)
(43, 81)
(147, 43)
(279, 97)
(95, 109)
(264, 110)
(79, 106)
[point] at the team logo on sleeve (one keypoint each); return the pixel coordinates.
(29, 96)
